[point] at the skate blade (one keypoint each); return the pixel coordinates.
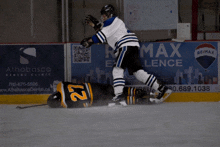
(111, 104)
(123, 103)
(165, 96)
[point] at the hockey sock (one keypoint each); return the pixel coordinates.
(148, 79)
(118, 80)
(118, 85)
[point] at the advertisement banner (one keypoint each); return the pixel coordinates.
(184, 67)
(30, 69)
(92, 64)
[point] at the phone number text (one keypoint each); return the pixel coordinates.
(190, 88)
(20, 84)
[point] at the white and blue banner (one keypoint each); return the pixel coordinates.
(184, 67)
(30, 69)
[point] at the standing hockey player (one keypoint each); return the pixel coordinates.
(72, 95)
(126, 46)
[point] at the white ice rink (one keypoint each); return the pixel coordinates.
(164, 125)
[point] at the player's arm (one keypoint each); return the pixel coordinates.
(93, 22)
(87, 42)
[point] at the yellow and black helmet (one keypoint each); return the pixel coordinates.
(54, 100)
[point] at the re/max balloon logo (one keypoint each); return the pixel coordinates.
(205, 55)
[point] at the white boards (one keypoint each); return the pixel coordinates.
(151, 14)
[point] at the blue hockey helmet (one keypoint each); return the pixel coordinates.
(108, 10)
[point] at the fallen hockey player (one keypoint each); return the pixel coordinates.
(71, 95)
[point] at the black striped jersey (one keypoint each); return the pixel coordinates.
(115, 33)
(95, 94)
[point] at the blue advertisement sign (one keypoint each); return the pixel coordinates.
(185, 67)
(30, 69)
(91, 64)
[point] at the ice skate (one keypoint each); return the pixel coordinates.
(118, 100)
(162, 94)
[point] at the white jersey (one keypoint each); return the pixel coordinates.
(116, 34)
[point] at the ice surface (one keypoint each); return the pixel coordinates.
(163, 125)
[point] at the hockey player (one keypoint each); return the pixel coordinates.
(71, 95)
(125, 44)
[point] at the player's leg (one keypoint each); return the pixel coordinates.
(118, 80)
(118, 77)
(161, 92)
(136, 95)
(118, 85)
(149, 80)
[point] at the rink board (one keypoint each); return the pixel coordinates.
(185, 67)
(31, 68)
(177, 64)
(24, 99)
(174, 97)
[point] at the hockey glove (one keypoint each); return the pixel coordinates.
(87, 42)
(92, 21)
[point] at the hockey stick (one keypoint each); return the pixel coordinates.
(24, 107)
(173, 39)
